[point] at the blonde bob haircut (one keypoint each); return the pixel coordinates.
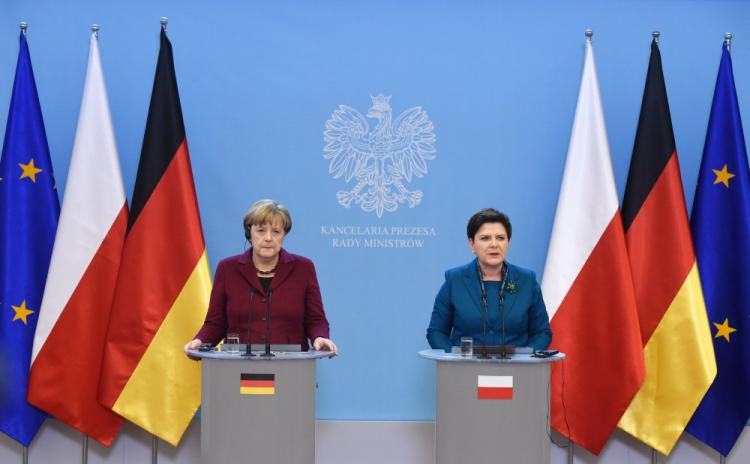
(266, 212)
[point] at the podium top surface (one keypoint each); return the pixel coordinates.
(278, 355)
(441, 355)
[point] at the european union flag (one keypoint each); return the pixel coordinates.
(721, 232)
(29, 209)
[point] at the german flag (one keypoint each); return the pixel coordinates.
(164, 283)
(678, 351)
(257, 384)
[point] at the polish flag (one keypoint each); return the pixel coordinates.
(69, 342)
(588, 286)
(495, 387)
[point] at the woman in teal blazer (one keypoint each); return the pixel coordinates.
(489, 283)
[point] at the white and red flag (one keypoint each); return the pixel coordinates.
(588, 286)
(69, 341)
(495, 387)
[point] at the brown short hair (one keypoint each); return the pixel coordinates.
(265, 211)
(484, 216)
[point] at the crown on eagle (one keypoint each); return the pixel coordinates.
(381, 102)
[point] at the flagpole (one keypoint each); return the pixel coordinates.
(85, 451)
(728, 43)
(154, 440)
(571, 444)
(654, 457)
(25, 454)
(571, 450)
(23, 25)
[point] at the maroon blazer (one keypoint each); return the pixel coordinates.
(294, 302)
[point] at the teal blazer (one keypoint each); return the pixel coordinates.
(458, 310)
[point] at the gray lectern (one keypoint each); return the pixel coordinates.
(258, 409)
(491, 411)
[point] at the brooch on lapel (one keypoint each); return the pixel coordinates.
(512, 287)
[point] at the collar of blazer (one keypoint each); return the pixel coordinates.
(471, 280)
(283, 270)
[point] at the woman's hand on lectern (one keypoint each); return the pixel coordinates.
(322, 343)
(192, 345)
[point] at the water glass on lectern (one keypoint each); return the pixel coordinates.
(467, 346)
(233, 343)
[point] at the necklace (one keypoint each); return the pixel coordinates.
(268, 272)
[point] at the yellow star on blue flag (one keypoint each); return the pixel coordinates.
(722, 176)
(723, 329)
(22, 313)
(29, 171)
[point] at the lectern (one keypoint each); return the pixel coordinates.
(257, 409)
(491, 410)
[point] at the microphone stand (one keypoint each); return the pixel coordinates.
(249, 347)
(501, 299)
(267, 353)
(483, 351)
(485, 316)
(503, 349)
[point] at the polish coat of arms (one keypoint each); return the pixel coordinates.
(380, 161)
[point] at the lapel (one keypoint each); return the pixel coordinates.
(511, 298)
(283, 269)
(247, 270)
(471, 280)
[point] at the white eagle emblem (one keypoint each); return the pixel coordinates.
(381, 160)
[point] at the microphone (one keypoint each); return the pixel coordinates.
(267, 353)
(248, 347)
(485, 315)
(503, 350)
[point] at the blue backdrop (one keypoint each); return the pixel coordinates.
(497, 79)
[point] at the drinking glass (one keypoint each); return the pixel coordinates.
(232, 341)
(467, 346)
